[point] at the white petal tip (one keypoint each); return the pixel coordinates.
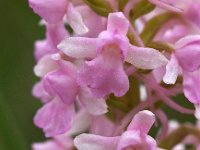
(38, 71)
(82, 30)
(147, 113)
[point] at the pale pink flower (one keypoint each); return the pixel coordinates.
(55, 117)
(186, 58)
(60, 91)
(105, 74)
(185, 49)
(39, 92)
(134, 138)
(54, 11)
(62, 82)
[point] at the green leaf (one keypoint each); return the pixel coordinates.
(141, 8)
(101, 7)
(115, 104)
(118, 103)
(153, 25)
(161, 46)
(121, 4)
(132, 38)
(11, 137)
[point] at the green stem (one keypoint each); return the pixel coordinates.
(178, 135)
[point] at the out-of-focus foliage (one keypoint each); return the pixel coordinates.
(18, 30)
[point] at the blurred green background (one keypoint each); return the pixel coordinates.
(18, 31)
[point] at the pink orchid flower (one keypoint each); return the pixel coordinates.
(60, 90)
(134, 138)
(53, 11)
(186, 48)
(104, 73)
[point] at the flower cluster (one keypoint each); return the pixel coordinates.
(107, 68)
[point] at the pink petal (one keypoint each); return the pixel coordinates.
(173, 31)
(81, 123)
(118, 23)
(61, 84)
(198, 148)
(90, 19)
(75, 20)
(105, 75)
(186, 41)
(95, 142)
(39, 92)
(172, 71)
(68, 67)
(145, 58)
(159, 73)
(60, 142)
(102, 121)
(113, 42)
(42, 48)
(54, 117)
(64, 141)
(188, 48)
(134, 140)
(48, 145)
(45, 64)
(191, 86)
(79, 47)
(197, 111)
(192, 12)
(165, 5)
(52, 11)
(93, 105)
(56, 33)
(142, 121)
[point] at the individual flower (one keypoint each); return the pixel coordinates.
(185, 49)
(136, 137)
(185, 60)
(54, 11)
(81, 123)
(104, 72)
(56, 116)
